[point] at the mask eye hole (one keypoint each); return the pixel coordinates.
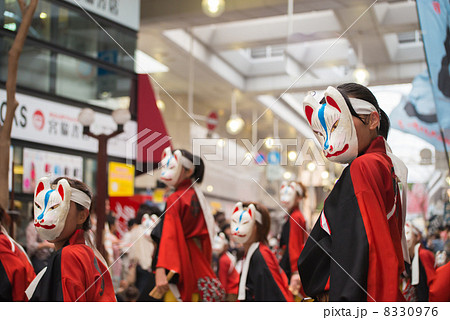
(245, 222)
(38, 206)
(54, 206)
(334, 126)
(234, 220)
(318, 133)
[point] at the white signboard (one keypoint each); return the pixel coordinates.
(56, 124)
(38, 164)
(125, 12)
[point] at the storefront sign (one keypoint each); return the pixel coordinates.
(120, 11)
(125, 208)
(38, 164)
(56, 124)
(120, 180)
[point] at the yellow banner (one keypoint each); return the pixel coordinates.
(120, 180)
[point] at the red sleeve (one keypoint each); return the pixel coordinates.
(224, 267)
(297, 231)
(19, 283)
(172, 239)
(427, 259)
(17, 276)
(370, 177)
(18, 269)
(439, 290)
(83, 277)
(277, 273)
(28, 267)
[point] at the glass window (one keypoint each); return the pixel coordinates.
(74, 30)
(80, 80)
(90, 172)
(18, 168)
(34, 66)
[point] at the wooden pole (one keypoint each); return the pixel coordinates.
(11, 102)
(101, 183)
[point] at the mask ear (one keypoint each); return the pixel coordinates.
(310, 105)
(238, 207)
(43, 184)
(63, 188)
(177, 154)
(166, 153)
(252, 210)
(336, 100)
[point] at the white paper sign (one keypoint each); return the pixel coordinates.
(38, 164)
(56, 124)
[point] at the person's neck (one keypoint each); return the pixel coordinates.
(248, 244)
(59, 244)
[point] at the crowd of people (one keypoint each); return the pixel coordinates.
(361, 247)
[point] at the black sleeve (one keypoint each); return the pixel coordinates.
(347, 245)
(285, 263)
(314, 261)
(261, 286)
(5, 286)
(49, 287)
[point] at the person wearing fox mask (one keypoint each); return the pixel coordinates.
(185, 234)
(293, 233)
(261, 278)
(420, 274)
(76, 271)
(226, 267)
(357, 248)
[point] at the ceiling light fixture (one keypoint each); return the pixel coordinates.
(235, 124)
(213, 8)
(292, 155)
(287, 175)
(159, 103)
(269, 142)
(311, 166)
(325, 175)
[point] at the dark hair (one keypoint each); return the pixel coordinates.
(224, 227)
(264, 228)
(199, 165)
(358, 91)
(111, 220)
(131, 293)
(131, 222)
(2, 213)
(146, 208)
(77, 184)
(303, 189)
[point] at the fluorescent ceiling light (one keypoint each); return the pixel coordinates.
(146, 64)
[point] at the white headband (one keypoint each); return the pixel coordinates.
(363, 107)
(185, 162)
(80, 197)
(297, 187)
